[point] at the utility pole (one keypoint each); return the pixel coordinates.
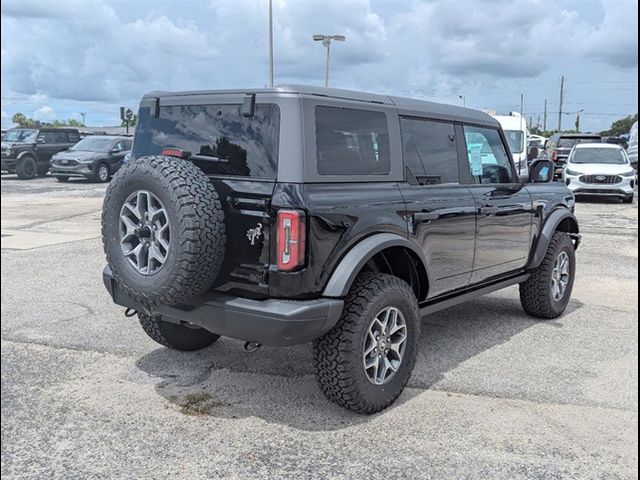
(464, 100)
(270, 43)
(544, 128)
(83, 115)
(561, 102)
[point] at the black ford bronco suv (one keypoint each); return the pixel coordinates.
(296, 214)
(27, 151)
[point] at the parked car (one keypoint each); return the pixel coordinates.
(95, 158)
(601, 169)
(27, 151)
(632, 149)
(559, 146)
(297, 214)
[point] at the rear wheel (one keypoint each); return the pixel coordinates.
(547, 292)
(365, 361)
(27, 168)
(177, 337)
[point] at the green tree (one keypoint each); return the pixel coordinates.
(621, 126)
(21, 120)
(132, 122)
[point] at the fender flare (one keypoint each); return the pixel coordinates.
(27, 153)
(548, 229)
(345, 273)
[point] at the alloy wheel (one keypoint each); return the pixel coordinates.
(145, 235)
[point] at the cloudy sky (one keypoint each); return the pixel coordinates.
(63, 57)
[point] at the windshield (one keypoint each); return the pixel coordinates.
(93, 144)
(570, 142)
(613, 156)
(515, 139)
(20, 135)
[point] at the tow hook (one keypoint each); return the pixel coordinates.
(251, 346)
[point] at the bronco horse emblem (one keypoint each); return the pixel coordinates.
(254, 233)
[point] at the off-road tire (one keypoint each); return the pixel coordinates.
(628, 199)
(338, 354)
(535, 293)
(197, 229)
(27, 168)
(177, 337)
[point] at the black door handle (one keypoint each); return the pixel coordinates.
(425, 216)
(488, 210)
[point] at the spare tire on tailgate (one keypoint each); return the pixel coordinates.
(163, 230)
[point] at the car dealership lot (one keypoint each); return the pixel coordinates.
(494, 394)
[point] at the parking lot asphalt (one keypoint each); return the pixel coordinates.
(494, 394)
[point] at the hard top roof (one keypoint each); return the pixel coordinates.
(405, 106)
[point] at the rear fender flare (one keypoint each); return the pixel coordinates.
(347, 270)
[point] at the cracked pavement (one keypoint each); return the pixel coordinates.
(494, 394)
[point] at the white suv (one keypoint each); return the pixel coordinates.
(600, 169)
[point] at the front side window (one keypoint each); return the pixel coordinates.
(217, 138)
(351, 142)
(429, 150)
(488, 159)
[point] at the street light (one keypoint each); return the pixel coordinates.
(464, 100)
(326, 42)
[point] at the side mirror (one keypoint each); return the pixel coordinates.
(542, 171)
(115, 150)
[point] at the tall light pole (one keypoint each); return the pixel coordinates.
(464, 100)
(270, 43)
(326, 42)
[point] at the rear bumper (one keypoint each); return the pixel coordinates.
(269, 322)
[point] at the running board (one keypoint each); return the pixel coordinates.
(437, 305)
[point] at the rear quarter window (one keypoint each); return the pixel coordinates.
(218, 138)
(351, 142)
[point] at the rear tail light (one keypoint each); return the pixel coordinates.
(291, 235)
(554, 156)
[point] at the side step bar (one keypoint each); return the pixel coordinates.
(436, 304)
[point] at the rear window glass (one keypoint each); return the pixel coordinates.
(570, 142)
(351, 142)
(218, 138)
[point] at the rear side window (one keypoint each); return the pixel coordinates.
(217, 138)
(60, 137)
(487, 155)
(74, 137)
(429, 150)
(46, 137)
(351, 142)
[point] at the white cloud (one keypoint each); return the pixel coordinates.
(45, 113)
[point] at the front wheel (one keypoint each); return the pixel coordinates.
(628, 199)
(27, 168)
(547, 292)
(102, 174)
(365, 361)
(60, 178)
(178, 337)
